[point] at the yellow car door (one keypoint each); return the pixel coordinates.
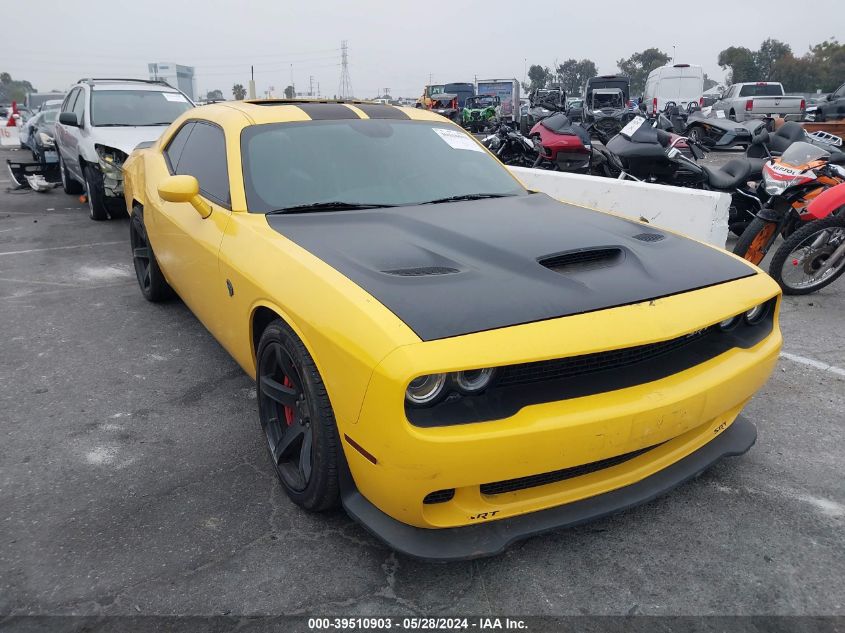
(186, 243)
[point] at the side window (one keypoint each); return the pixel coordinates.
(67, 106)
(840, 92)
(204, 157)
(176, 145)
(79, 104)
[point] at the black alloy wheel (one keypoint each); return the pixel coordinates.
(297, 419)
(153, 285)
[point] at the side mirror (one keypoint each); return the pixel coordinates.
(184, 189)
(830, 97)
(70, 118)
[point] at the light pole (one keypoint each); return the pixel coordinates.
(673, 52)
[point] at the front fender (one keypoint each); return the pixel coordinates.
(826, 202)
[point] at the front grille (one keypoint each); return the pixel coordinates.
(591, 363)
(439, 496)
(532, 481)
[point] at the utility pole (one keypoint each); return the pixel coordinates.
(310, 85)
(674, 46)
(345, 81)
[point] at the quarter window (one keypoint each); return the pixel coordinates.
(174, 149)
(79, 105)
(204, 157)
(67, 106)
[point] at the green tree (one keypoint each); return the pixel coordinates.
(539, 76)
(12, 90)
(290, 92)
(709, 83)
(766, 57)
(741, 62)
(639, 65)
(239, 92)
(214, 95)
(573, 75)
(829, 57)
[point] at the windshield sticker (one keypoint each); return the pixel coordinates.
(633, 125)
(174, 96)
(457, 140)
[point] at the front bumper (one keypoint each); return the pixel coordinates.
(488, 539)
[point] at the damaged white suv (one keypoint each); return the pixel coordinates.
(100, 123)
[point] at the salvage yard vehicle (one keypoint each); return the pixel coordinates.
(760, 100)
(607, 112)
(479, 112)
(446, 104)
(792, 180)
(713, 129)
(101, 121)
(832, 107)
(814, 256)
(542, 103)
(353, 258)
(42, 138)
(681, 84)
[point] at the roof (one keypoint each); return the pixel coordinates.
(288, 110)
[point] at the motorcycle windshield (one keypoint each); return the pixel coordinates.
(802, 153)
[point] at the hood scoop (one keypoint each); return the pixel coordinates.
(421, 271)
(582, 259)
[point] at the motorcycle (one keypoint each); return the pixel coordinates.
(511, 147)
(814, 256)
(792, 181)
(650, 154)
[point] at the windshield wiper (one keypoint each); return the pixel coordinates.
(152, 124)
(470, 196)
(336, 205)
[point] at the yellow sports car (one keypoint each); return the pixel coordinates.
(459, 361)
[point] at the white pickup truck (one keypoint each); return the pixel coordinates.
(759, 100)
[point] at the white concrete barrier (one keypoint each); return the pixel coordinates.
(702, 215)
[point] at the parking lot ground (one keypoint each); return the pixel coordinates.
(134, 477)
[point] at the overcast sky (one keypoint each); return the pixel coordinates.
(395, 44)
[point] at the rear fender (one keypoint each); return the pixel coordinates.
(826, 203)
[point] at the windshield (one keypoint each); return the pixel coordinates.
(801, 153)
(370, 161)
(766, 90)
(136, 107)
(49, 116)
(607, 100)
(480, 102)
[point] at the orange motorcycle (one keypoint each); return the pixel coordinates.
(791, 181)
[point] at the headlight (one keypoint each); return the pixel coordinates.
(110, 160)
(46, 139)
(729, 324)
(425, 390)
(756, 314)
(776, 187)
(473, 380)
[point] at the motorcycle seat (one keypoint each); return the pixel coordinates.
(731, 175)
(558, 123)
(756, 165)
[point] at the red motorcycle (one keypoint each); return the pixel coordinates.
(562, 144)
(814, 255)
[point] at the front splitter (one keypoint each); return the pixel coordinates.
(491, 538)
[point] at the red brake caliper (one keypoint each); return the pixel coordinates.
(288, 411)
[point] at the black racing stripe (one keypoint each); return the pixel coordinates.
(380, 111)
(327, 111)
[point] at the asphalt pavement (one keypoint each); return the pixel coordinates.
(134, 477)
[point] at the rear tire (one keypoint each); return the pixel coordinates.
(696, 134)
(96, 196)
(69, 185)
(297, 418)
(756, 240)
(794, 241)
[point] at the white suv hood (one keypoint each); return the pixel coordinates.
(125, 138)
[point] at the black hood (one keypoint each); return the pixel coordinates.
(462, 267)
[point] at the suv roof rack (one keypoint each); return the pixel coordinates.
(89, 80)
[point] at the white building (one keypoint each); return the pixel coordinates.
(181, 77)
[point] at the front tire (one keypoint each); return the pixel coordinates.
(813, 260)
(96, 196)
(696, 133)
(297, 418)
(756, 240)
(151, 281)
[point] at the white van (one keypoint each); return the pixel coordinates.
(681, 83)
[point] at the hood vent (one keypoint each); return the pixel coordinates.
(421, 271)
(649, 237)
(582, 260)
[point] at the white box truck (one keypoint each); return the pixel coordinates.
(508, 92)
